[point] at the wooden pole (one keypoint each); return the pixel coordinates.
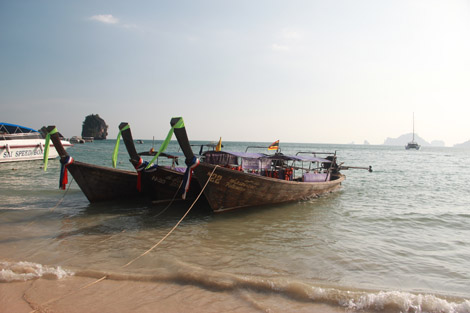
(183, 140)
(57, 143)
(129, 142)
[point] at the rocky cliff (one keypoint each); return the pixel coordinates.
(94, 126)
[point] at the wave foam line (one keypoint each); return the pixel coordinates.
(23, 271)
(355, 301)
(407, 302)
(380, 301)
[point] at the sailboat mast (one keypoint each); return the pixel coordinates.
(413, 126)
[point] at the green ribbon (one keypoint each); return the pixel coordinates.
(46, 147)
(116, 147)
(179, 124)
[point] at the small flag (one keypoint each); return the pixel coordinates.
(274, 145)
(219, 145)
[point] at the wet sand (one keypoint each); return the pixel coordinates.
(80, 294)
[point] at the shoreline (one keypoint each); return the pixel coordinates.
(37, 288)
(79, 294)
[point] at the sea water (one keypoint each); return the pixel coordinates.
(394, 240)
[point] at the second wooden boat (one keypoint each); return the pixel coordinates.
(238, 180)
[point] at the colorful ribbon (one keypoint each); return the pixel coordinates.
(116, 147)
(188, 174)
(140, 167)
(46, 148)
(179, 124)
(63, 180)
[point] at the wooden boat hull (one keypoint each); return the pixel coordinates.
(230, 189)
(100, 183)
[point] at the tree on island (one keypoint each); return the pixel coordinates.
(94, 126)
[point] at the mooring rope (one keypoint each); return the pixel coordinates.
(171, 202)
(58, 203)
(143, 254)
(63, 197)
(177, 224)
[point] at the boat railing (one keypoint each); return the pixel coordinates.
(260, 147)
(315, 153)
(20, 136)
(164, 159)
(210, 147)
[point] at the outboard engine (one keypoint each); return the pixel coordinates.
(333, 166)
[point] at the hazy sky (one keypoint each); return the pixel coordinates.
(336, 71)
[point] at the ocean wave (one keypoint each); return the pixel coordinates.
(398, 301)
(349, 299)
(23, 271)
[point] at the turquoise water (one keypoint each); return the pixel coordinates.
(394, 240)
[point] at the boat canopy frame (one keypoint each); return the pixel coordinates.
(257, 163)
(10, 129)
(13, 131)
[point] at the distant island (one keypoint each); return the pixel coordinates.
(466, 144)
(94, 127)
(404, 139)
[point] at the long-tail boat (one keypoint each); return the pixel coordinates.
(238, 180)
(101, 183)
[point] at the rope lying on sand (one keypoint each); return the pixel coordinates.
(135, 259)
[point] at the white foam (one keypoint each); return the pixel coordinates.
(23, 271)
(406, 302)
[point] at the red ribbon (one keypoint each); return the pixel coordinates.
(63, 181)
(139, 174)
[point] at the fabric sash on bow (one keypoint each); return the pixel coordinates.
(116, 147)
(46, 148)
(179, 124)
(140, 167)
(63, 180)
(188, 174)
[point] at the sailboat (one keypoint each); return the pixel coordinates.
(412, 144)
